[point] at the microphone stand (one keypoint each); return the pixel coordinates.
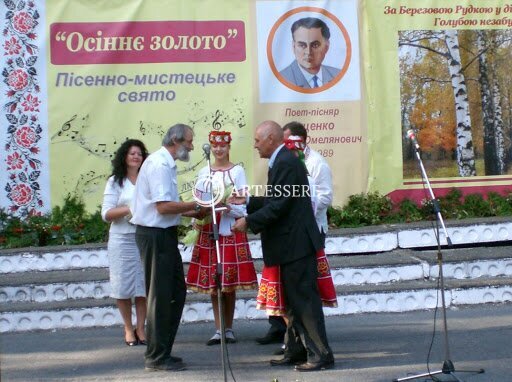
(448, 366)
(218, 273)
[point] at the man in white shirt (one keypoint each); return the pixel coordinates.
(156, 213)
(320, 172)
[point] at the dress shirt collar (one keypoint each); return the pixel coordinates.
(167, 155)
(309, 77)
(273, 156)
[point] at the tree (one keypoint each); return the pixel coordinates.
(446, 45)
(494, 143)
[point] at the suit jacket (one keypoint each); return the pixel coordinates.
(293, 74)
(286, 221)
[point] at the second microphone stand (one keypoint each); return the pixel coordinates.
(448, 367)
(218, 273)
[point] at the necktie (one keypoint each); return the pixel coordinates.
(315, 83)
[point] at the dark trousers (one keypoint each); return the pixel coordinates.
(277, 323)
(165, 289)
(306, 326)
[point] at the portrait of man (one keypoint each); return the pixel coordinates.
(310, 44)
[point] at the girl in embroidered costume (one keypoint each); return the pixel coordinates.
(270, 294)
(237, 265)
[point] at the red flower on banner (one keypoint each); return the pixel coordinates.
(17, 79)
(14, 162)
(25, 137)
(34, 212)
(23, 22)
(21, 90)
(21, 194)
(12, 47)
(31, 103)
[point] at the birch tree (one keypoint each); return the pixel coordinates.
(498, 126)
(446, 44)
(464, 149)
(490, 157)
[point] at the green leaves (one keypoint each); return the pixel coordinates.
(67, 225)
(374, 209)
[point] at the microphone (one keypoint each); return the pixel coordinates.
(412, 137)
(206, 149)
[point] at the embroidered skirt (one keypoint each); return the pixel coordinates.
(270, 294)
(237, 266)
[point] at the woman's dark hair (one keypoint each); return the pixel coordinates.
(119, 169)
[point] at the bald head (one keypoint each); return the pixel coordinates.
(267, 138)
(271, 128)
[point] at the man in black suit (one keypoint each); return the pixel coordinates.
(290, 239)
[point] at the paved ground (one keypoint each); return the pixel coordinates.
(368, 347)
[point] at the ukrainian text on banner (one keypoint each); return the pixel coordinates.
(441, 70)
(131, 70)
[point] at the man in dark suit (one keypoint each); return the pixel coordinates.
(310, 45)
(290, 239)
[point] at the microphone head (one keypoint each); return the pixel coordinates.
(412, 137)
(206, 149)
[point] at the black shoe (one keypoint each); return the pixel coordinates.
(140, 342)
(279, 351)
(176, 359)
(288, 361)
(271, 338)
(167, 366)
(315, 366)
(132, 343)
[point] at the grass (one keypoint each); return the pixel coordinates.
(440, 169)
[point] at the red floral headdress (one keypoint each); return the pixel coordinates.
(294, 142)
(219, 137)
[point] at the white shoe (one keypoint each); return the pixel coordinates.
(230, 336)
(215, 340)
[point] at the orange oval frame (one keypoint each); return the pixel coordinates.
(271, 58)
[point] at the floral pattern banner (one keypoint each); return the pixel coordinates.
(23, 175)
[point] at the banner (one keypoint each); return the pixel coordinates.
(439, 70)
(81, 77)
(131, 69)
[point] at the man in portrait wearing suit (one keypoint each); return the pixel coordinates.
(310, 45)
(290, 238)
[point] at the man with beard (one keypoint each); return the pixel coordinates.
(156, 212)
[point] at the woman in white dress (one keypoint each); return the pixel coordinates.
(125, 266)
